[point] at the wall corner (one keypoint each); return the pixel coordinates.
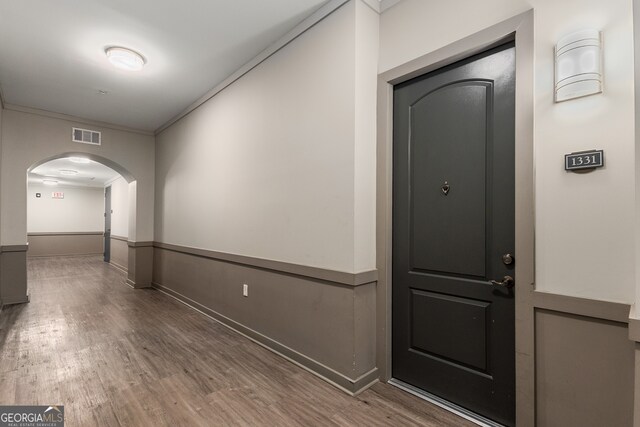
(140, 268)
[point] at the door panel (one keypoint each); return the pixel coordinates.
(466, 319)
(453, 331)
(438, 142)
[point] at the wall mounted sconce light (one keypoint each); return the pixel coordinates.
(578, 65)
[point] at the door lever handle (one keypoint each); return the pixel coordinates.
(507, 282)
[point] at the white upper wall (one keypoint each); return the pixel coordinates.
(584, 222)
(31, 137)
(413, 28)
(81, 210)
(366, 81)
(120, 208)
(267, 168)
(636, 48)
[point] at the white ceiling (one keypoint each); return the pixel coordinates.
(52, 52)
(93, 174)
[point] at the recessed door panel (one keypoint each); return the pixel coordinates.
(463, 341)
(448, 167)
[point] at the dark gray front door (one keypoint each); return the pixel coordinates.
(107, 224)
(453, 220)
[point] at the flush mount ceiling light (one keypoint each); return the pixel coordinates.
(125, 59)
(68, 172)
(49, 182)
(81, 160)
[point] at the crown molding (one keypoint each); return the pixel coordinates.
(386, 4)
(373, 4)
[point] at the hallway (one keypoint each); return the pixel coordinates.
(117, 356)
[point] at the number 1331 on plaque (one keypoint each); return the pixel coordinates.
(584, 160)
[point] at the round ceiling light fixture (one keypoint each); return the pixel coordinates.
(81, 160)
(125, 59)
(68, 172)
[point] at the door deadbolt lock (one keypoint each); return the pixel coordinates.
(507, 259)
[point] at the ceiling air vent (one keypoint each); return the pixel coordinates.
(86, 136)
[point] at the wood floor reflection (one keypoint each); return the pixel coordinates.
(114, 356)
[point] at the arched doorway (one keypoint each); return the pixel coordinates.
(139, 255)
(128, 176)
(78, 206)
(30, 138)
(14, 256)
(61, 229)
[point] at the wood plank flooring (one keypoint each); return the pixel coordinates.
(115, 356)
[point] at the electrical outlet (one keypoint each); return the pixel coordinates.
(245, 290)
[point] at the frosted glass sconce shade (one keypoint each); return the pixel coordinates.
(578, 65)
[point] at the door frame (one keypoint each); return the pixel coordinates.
(107, 232)
(520, 29)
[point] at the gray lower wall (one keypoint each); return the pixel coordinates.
(119, 252)
(584, 366)
(140, 266)
(325, 326)
(13, 274)
(584, 359)
(60, 244)
(636, 411)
